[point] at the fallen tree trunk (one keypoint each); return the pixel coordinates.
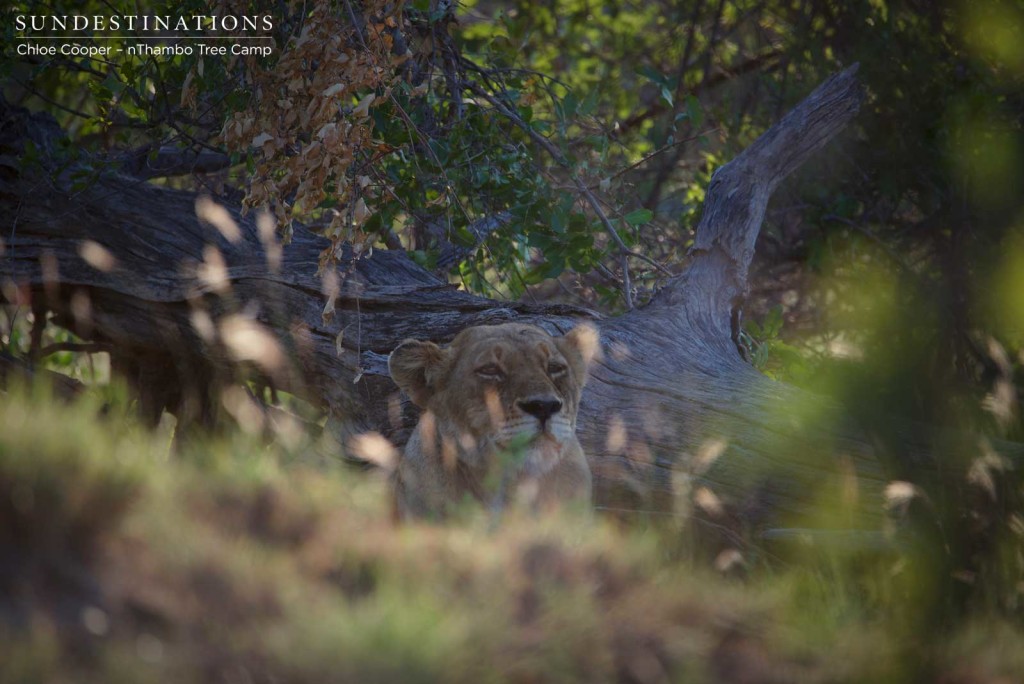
(670, 406)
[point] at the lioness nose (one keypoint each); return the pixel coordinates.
(541, 407)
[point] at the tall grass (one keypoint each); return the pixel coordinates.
(127, 559)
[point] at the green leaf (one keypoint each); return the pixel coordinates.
(554, 268)
(653, 74)
(666, 95)
(559, 220)
(569, 105)
(639, 217)
(425, 259)
(441, 150)
(463, 236)
(112, 84)
(693, 108)
(539, 240)
(589, 103)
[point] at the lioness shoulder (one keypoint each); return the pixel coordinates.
(499, 406)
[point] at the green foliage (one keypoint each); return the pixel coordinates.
(639, 102)
(15, 339)
(767, 351)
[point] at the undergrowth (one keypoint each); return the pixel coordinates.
(126, 556)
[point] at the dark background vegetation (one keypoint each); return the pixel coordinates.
(559, 151)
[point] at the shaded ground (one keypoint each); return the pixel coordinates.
(240, 562)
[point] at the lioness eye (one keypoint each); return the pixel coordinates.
(555, 368)
(490, 372)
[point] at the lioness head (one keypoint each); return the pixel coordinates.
(494, 388)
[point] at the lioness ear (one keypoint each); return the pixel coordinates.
(415, 366)
(585, 340)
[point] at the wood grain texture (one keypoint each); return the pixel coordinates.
(670, 384)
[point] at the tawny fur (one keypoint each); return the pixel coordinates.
(473, 395)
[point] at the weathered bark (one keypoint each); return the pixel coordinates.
(670, 383)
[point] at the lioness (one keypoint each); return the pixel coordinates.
(499, 405)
